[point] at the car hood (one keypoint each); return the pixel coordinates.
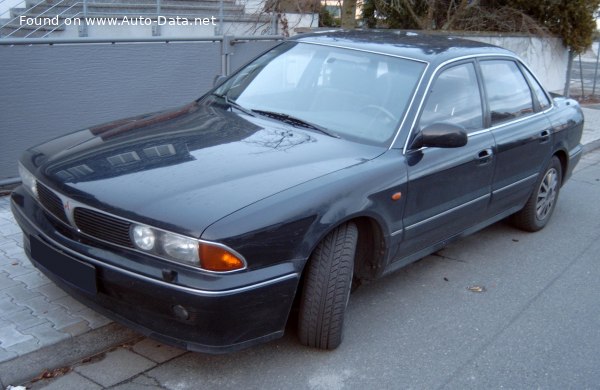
(184, 169)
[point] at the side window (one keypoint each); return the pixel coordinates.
(454, 98)
(509, 96)
(538, 90)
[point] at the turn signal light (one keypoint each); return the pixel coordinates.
(215, 258)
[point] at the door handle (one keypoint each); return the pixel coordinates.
(544, 136)
(484, 156)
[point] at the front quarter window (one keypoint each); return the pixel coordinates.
(357, 95)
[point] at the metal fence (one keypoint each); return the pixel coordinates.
(50, 88)
(52, 17)
(583, 75)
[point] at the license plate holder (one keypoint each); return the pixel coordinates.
(76, 273)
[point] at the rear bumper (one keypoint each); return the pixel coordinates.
(249, 308)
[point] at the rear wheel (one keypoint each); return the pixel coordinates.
(326, 289)
(540, 206)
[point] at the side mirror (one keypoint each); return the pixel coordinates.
(219, 80)
(440, 135)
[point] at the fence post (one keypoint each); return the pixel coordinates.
(156, 29)
(596, 71)
(226, 45)
(83, 28)
(220, 28)
(569, 70)
(274, 23)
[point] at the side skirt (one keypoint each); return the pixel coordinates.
(400, 263)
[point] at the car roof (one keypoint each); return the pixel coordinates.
(432, 48)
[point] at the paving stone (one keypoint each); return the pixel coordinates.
(33, 280)
(20, 293)
(46, 334)
(24, 319)
(156, 351)
(9, 336)
(94, 319)
(8, 307)
(7, 282)
(5, 259)
(20, 257)
(115, 367)
(8, 230)
(71, 381)
(7, 355)
(38, 305)
(4, 220)
(77, 329)
(133, 385)
(16, 237)
(25, 347)
(70, 303)
(14, 268)
(51, 291)
(10, 248)
(60, 318)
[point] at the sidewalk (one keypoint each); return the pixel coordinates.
(42, 328)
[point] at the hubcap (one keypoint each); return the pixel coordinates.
(546, 194)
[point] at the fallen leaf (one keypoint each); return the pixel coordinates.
(477, 289)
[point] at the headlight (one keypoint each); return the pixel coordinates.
(208, 256)
(28, 180)
(180, 248)
(143, 237)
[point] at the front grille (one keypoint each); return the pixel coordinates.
(51, 202)
(102, 226)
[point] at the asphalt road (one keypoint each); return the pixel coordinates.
(535, 325)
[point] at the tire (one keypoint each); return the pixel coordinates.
(326, 291)
(540, 205)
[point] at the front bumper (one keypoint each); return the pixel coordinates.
(210, 313)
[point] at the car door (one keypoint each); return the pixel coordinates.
(522, 132)
(448, 188)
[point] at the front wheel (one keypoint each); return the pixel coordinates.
(540, 206)
(327, 289)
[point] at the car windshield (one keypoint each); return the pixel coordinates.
(353, 94)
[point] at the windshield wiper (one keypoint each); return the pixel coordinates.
(234, 104)
(291, 120)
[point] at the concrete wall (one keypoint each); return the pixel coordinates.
(47, 91)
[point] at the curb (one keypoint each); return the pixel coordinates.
(64, 353)
(591, 146)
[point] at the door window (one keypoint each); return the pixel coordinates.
(454, 98)
(508, 94)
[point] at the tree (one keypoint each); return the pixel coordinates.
(348, 13)
(572, 20)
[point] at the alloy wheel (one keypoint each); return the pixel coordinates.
(546, 194)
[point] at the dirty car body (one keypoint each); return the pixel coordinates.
(332, 159)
